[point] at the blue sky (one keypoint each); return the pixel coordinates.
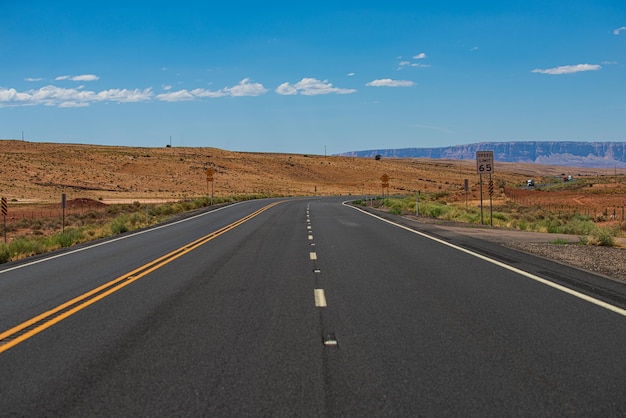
(302, 77)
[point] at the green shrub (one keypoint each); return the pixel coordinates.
(604, 236)
(559, 241)
(577, 226)
(26, 246)
(118, 226)
(5, 254)
(501, 216)
(67, 238)
(135, 219)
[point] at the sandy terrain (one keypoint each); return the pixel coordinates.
(34, 174)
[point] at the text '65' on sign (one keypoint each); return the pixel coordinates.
(484, 162)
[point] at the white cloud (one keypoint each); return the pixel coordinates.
(167, 87)
(74, 104)
(351, 74)
(311, 87)
(78, 97)
(125, 95)
(419, 56)
(84, 77)
(12, 96)
(62, 97)
(474, 48)
(207, 93)
(387, 82)
(403, 64)
(33, 79)
(618, 30)
(245, 88)
(175, 96)
(286, 89)
(568, 69)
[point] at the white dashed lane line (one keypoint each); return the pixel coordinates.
(320, 298)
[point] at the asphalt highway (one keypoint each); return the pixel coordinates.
(306, 307)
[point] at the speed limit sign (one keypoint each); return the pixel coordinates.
(484, 162)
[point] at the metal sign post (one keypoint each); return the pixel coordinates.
(490, 200)
(417, 202)
(5, 210)
(466, 190)
(480, 181)
(63, 199)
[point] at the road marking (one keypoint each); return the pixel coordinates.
(330, 340)
(310, 237)
(308, 227)
(313, 256)
(320, 298)
(526, 274)
(39, 323)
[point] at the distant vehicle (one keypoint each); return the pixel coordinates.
(530, 183)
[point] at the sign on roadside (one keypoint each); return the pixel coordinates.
(484, 162)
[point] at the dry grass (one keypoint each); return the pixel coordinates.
(38, 173)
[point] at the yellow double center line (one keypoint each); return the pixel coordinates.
(33, 326)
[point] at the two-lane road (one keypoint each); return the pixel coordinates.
(303, 307)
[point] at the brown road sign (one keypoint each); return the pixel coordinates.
(385, 178)
(209, 172)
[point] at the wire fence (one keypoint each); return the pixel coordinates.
(613, 212)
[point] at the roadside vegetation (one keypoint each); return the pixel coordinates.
(509, 215)
(48, 234)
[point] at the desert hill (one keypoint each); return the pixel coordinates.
(41, 172)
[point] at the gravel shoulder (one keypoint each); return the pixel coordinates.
(607, 261)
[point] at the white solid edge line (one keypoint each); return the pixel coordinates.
(526, 274)
(112, 240)
(320, 298)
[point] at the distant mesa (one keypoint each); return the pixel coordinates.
(562, 153)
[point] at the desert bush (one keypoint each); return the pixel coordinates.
(433, 209)
(119, 226)
(604, 236)
(578, 225)
(67, 238)
(501, 217)
(522, 224)
(24, 246)
(438, 195)
(5, 254)
(135, 219)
